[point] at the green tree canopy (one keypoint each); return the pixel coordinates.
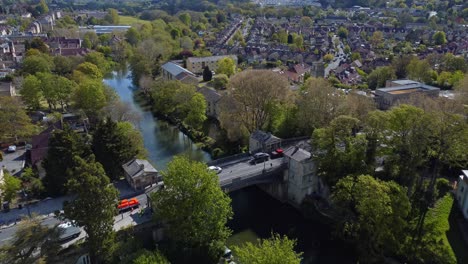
(195, 209)
(87, 69)
(439, 38)
(37, 63)
(226, 66)
(275, 250)
(374, 215)
(31, 93)
(90, 96)
(94, 207)
(64, 145)
(10, 186)
(113, 146)
(379, 76)
(14, 122)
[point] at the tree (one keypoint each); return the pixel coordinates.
(186, 19)
(94, 207)
(43, 8)
(64, 145)
(90, 96)
(112, 16)
(317, 105)
(439, 38)
(98, 59)
(252, 95)
(328, 57)
(342, 33)
(400, 65)
(147, 257)
(378, 77)
(133, 36)
(87, 69)
(275, 250)
(63, 65)
(355, 56)
(207, 74)
(195, 210)
(31, 92)
(419, 70)
(38, 63)
(220, 81)
(340, 152)
(376, 38)
(10, 186)
(31, 236)
(196, 111)
(453, 63)
(226, 66)
(14, 122)
(462, 91)
(306, 21)
(374, 215)
(112, 147)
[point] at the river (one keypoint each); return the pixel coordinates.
(256, 214)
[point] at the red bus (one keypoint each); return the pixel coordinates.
(128, 204)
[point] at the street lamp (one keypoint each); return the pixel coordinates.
(27, 205)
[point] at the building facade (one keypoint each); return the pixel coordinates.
(174, 72)
(462, 193)
(198, 64)
(301, 175)
(140, 174)
(401, 90)
(261, 141)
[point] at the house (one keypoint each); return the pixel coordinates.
(171, 71)
(462, 193)
(140, 174)
(301, 175)
(7, 89)
(297, 73)
(401, 90)
(198, 64)
(212, 98)
(261, 141)
(40, 147)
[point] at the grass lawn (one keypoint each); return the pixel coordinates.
(129, 20)
(444, 214)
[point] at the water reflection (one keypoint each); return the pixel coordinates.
(162, 140)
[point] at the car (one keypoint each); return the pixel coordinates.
(215, 168)
(259, 157)
(12, 148)
(69, 231)
(227, 254)
(277, 153)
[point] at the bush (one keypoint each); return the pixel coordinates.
(217, 152)
(443, 186)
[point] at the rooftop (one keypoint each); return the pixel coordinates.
(137, 167)
(174, 69)
(409, 88)
(297, 154)
(211, 58)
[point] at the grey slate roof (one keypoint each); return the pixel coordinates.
(174, 69)
(297, 154)
(210, 94)
(138, 167)
(264, 137)
(420, 86)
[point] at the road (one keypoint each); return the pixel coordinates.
(244, 169)
(339, 56)
(13, 162)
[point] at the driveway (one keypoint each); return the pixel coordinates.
(13, 162)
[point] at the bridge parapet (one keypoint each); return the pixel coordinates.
(234, 158)
(265, 176)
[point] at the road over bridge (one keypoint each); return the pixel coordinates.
(238, 175)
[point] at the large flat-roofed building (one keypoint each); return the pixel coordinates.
(400, 91)
(197, 64)
(171, 72)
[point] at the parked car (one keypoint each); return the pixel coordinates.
(11, 148)
(277, 153)
(259, 157)
(69, 231)
(126, 204)
(215, 169)
(227, 255)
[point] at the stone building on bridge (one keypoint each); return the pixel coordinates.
(261, 141)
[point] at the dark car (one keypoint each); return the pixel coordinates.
(259, 157)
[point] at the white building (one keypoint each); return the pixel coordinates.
(462, 193)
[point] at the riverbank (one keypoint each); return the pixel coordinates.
(200, 138)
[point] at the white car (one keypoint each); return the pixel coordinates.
(12, 148)
(215, 168)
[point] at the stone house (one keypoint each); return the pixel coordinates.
(301, 175)
(462, 193)
(212, 98)
(140, 174)
(261, 141)
(401, 90)
(7, 89)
